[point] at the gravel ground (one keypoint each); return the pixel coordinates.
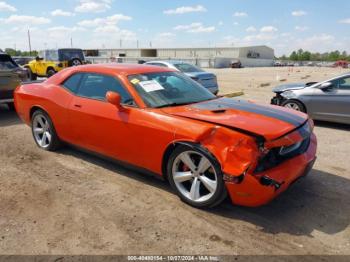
(71, 202)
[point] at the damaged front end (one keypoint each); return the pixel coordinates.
(256, 171)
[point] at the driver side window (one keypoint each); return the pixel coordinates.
(96, 86)
(344, 83)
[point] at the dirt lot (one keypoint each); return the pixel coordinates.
(74, 203)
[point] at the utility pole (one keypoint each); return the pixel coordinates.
(121, 43)
(71, 42)
(30, 45)
(137, 44)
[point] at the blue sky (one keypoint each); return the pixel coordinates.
(316, 25)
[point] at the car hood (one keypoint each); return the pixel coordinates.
(286, 87)
(201, 75)
(270, 122)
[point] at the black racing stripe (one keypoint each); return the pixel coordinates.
(226, 103)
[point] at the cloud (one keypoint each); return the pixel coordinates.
(109, 20)
(220, 23)
(185, 9)
(345, 21)
(115, 31)
(268, 29)
(240, 14)
(60, 32)
(251, 29)
(26, 19)
(301, 28)
(93, 6)
(299, 13)
(60, 12)
(166, 34)
(195, 28)
(5, 7)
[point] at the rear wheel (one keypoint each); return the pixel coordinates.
(44, 132)
(32, 76)
(295, 105)
(50, 72)
(196, 177)
(75, 62)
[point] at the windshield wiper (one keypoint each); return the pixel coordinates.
(174, 104)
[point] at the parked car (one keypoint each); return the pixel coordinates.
(52, 61)
(208, 80)
(328, 100)
(11, 75)
(22, 61)
(163, 122)
(341, 63)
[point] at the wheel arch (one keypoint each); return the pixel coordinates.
(297, 100)
(35, 108)
(193, 144)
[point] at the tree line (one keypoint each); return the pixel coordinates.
(301, 55)
(13, 52)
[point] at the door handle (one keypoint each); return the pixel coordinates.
(78, 106)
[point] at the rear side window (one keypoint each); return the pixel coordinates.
(96, 86)
(73, 82)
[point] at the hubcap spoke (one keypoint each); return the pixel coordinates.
(208, 183)
(194, 193)
(38, 130)
(204, 165)
(185, 157)
(183, 176)
(43, 140)
(48, 136)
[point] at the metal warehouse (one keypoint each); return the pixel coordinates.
(251, 56)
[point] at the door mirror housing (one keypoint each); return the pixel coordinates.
(326, 86)
(114, 99)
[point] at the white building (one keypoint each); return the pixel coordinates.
(206, 57)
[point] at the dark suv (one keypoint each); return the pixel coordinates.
(11, 76)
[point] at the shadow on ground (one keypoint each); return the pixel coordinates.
(332, 125)
(8, 117)
(319, 201)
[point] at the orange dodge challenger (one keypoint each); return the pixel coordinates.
(162, 121)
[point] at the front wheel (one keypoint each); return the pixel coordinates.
(44, 132)
(11, 106)
(196, 177)
(295, 105)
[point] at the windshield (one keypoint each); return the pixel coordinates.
(187, 68)
(69, 54)
(168, 89)
(6, 63)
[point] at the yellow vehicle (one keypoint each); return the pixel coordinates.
(50, 62)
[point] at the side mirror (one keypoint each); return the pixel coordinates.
(325, 86)
(114, 99)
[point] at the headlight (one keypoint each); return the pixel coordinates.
(288, 94)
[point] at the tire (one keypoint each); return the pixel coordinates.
(295, 105)
(199, 188)
(32, 76)
(11, 106)
(75, 62)
(50, 72)
(42, 130)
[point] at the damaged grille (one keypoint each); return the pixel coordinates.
(280, 154)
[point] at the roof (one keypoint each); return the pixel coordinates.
(172, 62)
(112, 69)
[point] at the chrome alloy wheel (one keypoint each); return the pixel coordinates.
(293, 106)
(194, 176)
(42, 131)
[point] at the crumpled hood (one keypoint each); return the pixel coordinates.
(286, 87)
(271, 122)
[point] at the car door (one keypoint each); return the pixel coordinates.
(343, 109)
(324, 104)
(98, 125)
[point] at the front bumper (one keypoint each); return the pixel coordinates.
(251, 192)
